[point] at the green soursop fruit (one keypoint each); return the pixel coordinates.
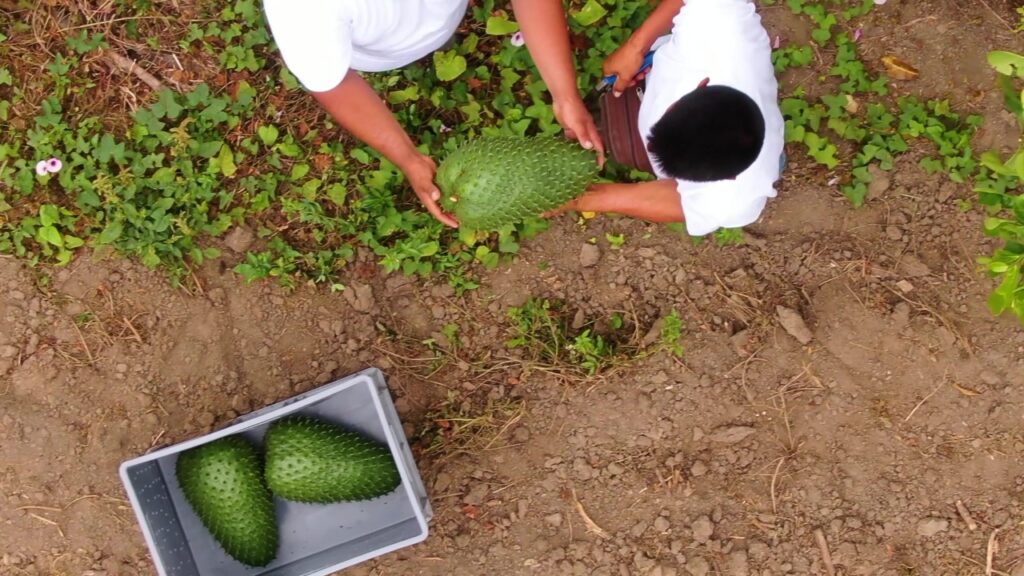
(223, 481)
(493, 181)
(309, 460)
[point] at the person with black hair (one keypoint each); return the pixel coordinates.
(709, 116)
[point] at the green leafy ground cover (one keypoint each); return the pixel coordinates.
(197, 158)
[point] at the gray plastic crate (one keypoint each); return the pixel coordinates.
(316, 540)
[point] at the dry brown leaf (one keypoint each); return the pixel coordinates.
(898, 69)
(852, 106)
(966, 391)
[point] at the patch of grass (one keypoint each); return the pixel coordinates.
(1000, 189)
(240, 145)
(464, 425)
(542, 330)
(856, 126)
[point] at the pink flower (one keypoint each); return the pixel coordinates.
(445, 129)
(517, 39)
(777, 43)
(51, 166)
(857, 34)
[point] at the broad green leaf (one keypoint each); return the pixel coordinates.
(405, 95)
(448, 65)
(50, 235)
(299, 171)
(73, 242)
(1003, 296)
(501, 26)
(591, 12)
(111, 232)
(429, 249)
(337, 194)
(360, 155)
(268, 134)
(1006, 62)
(49, 215)
(226, 160)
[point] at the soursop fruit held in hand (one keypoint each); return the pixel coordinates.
(309, 460)
(223, 481)
(493, 181)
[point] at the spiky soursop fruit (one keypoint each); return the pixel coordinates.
(223, 481)
(493, 181)
(309, 460)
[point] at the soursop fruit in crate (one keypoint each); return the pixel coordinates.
(310, 460)
(490, 182)
(223, 481)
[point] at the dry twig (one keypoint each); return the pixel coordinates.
(591, 525)
(966, 515)
(119, 62)
(826, 556)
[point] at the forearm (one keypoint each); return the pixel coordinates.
(656, 201)
(657, 24)
(360, 111)
(547, 38)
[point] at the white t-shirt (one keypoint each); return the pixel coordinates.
(321, 40)
(722, 40)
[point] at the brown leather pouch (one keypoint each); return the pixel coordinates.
(618, 127)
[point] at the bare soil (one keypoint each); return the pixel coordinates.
(752, 455)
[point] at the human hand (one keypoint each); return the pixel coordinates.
(624, 64)
(579, 125)
(420, 173)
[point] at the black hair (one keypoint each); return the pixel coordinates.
(711, 133)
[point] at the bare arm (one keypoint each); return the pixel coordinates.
(657, 24)
(547, 37)
(625, 61)
(358, 109)
(656, 201)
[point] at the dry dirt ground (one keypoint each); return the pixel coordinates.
(749, 456)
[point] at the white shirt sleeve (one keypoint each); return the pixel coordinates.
(314, 39)
(708, 206)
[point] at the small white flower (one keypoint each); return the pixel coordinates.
(41, 168)
(517, 39)
(53, 165)
(777, 43)
(879, 2)
(445, 129)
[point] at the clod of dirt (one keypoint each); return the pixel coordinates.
(240, 239)
(880, 182)
(929, 527)
(794, 324)
(654, 333)
(661, 524)
(661, 570)
(698, 469)
(730, 434)
(477, 495)
(590, 255)
(360, 296)
(698, 567)
(702, 529)
(554, 519)
(736, 564)
(912, 266)
(905, 286)
(8, 351)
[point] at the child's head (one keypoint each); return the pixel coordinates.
(712, 133)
